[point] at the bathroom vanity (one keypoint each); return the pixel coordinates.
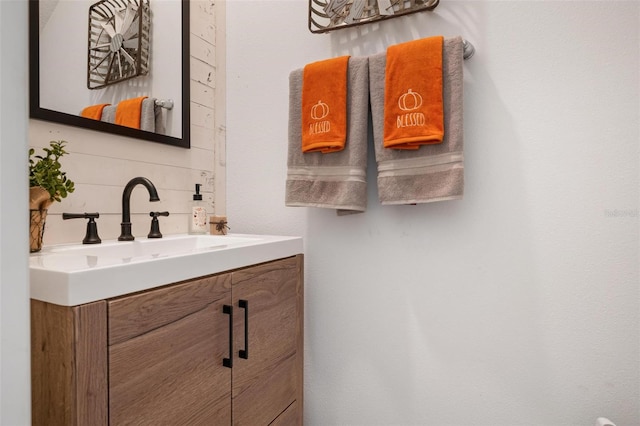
(217, 348)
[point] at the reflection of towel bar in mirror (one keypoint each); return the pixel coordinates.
(167, 103)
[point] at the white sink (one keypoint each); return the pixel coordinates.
(73, 274)
(150, 248)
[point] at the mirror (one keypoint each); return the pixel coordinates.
(60, 66)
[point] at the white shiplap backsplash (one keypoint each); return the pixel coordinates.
(101, 164)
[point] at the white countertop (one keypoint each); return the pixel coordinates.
(74, 274)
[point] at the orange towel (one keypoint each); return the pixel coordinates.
(413, 111)
(128, 112)
(324, 105)
(94, 111)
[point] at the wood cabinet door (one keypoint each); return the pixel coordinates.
(269, 296)
(69, 364)
(166, 348)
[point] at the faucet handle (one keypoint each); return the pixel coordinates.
(91, 236)
(156, 214)
(155, 224)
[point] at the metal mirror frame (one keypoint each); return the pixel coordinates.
(37, 112)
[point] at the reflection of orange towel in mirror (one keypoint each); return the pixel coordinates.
(128, 112)
(413, 110)
(94, 111)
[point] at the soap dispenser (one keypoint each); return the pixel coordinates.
(198, 217)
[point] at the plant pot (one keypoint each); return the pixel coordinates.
(36, 229)
(39, 201)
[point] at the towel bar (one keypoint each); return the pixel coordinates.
(168, 103)
(468, 49)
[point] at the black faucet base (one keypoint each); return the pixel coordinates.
(125, 235)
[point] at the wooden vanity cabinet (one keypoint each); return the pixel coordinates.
(156, 357)
(69, 364)
(267, 367)
(165, 351)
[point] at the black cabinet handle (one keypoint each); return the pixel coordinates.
(228, 310)
(244, 353)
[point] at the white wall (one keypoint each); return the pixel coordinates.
(15, 408)
(101, 164)
(516, 306)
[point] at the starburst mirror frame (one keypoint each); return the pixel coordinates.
(118, 41)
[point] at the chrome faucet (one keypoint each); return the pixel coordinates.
(125, 226)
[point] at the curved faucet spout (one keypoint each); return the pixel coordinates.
(125, 226)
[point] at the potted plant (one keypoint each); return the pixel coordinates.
(47, 183)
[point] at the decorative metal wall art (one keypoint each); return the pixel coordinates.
(329, 15)
(118, 41)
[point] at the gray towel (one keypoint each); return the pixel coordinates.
(433, 172)
(109, 114)
(151, 119)
(148, 115)
(335, 180)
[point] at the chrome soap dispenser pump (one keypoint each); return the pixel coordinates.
(198, 217)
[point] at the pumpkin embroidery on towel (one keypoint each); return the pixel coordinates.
(409, 103)
(318, 125)
(413, 94)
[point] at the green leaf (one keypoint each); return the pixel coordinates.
(46, 172)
